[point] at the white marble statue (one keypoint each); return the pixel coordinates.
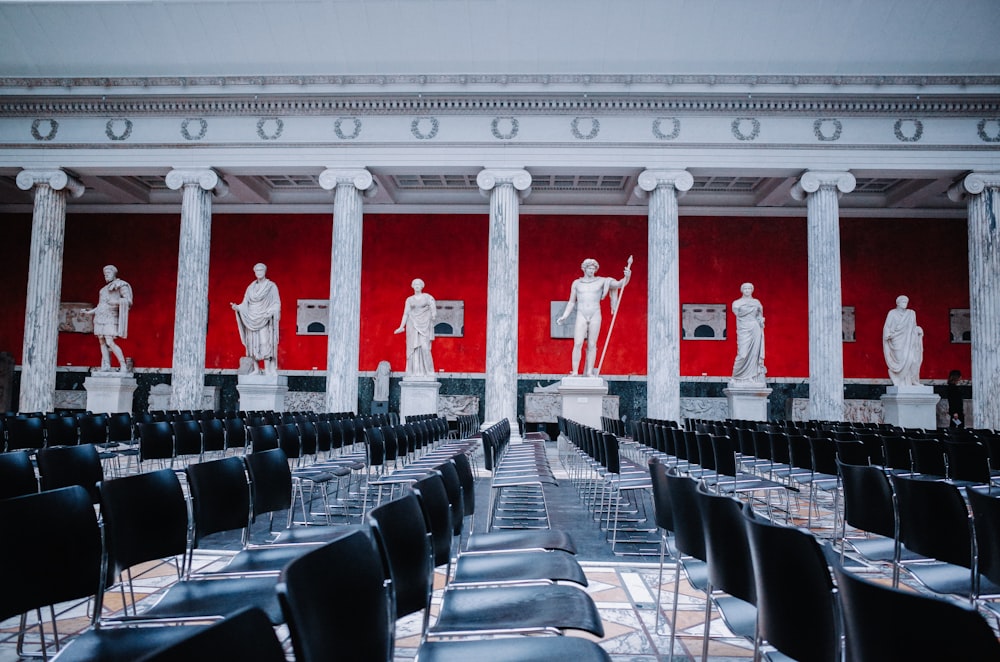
(748, 368)
(419, 313)
(381, 381)
(586, 294)
(111, 317)
(257, 318)
(903, 344)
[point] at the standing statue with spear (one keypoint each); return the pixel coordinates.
(585, 295)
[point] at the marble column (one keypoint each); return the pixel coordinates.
(663, 347)
(982, 192)
(191, 309)
(343, 349)
(506, 188)
(45, 266)
(821, 191)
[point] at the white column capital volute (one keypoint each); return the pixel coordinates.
(55, 178)
(974, 183)
(813, 180)
(490, 178)
(650, 180)
(359, 178)
(206, 178)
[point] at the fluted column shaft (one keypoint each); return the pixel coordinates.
(982, 191)
(663, 362)
(506, 188)
(45, 266)
(191, 308)
(826, 349)
(343, 349)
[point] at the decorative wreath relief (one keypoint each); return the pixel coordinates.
(279, 126)
(37, 135)
(495, 128)
(658, 128)
(202, 129)
(738, 130)
(595, 128)
(418, 134)
(981, 129)
(918, 131)
(109, 130)
(339, 130)
(818, 127)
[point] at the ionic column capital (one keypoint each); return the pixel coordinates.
(490, 178)
(650, 180)
(974, 183)
(55, 178)
(813, 180)
(359, 178)
(206, 178)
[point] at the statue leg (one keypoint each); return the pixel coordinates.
(117, 351)
(105, 355)
(594, 328)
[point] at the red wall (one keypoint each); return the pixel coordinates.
(925, 259)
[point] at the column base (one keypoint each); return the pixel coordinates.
(910, 406)
(262, 392)
(109, 392)
(747, 403)
(418, 397)
(583, 399)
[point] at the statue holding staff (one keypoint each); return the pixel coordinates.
(585, 295)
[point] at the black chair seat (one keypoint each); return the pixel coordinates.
(245, 635)
(507, 566)
(514, 539)
(517, 608)
(123, 644)
(214, 597)
(514, 649)
(739, 616)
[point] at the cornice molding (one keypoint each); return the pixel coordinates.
(285, 104)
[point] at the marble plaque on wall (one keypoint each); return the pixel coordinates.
(72, 319)
(453, 406)
(847, 323)
(546, 407)
(564, 330)
(703, 321)
(312, 316)
(710, 409)
(70, 400)
(961, 325)
(305, 401)
(450, 322)
(855, 411)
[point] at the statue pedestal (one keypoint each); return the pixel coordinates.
(109, 392)
(418, 396)
(262, 392)
(747, 403)
(910, 406)
(583, 399)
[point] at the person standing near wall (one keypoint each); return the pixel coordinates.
(956, 407)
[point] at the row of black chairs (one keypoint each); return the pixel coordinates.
(778, 586)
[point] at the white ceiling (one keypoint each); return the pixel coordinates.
(79, 38)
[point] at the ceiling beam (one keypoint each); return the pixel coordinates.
(776, 192)
(917, 191)
(123, 190)
(254, 190)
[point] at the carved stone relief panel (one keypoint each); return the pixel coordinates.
(703, 321)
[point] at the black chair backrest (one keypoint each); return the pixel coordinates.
(453, 486)
(244, 635)
(236, 433)
(187, 437)
(263, 437)
(26, 432)
(928, 457)
(727, 550)
(689, 538)
(213, 435)
(662, 509)
(401, 535)
(62, 466)
(464, 466)
(53, 535)
(156, 441)
(93, 428)
(883, 623)
(433, 496)
(270, 481)
(934, 520)
(120, 427)
(868, 499)
(61, 431)
(986, 519)
(145, 518)
(968, 460)
(337, 603)
(220, 496)
(17, 474)
(796, 606)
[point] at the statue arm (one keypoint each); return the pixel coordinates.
(569, 305)
(406, 313)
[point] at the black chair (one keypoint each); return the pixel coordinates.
(146, 519)
(61, 431)
(25, 432)
(188, 442)
(404, 544)
(986, 521)
(928, 457)
(236, 435)
(17, 474)
(156, 442)
(263, 437)
(213, 436)
(935, 523)
(968, 463)
(362, 627)
(664, 517)
(883, 623)
(797, 611)
(244, 635)
(62, 466)
(489, 568)
(689, 540)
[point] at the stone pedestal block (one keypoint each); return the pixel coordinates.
(109, 392)
(582, 399)
(910, 406)
(418, 397)
(262, 392)
(747, 403)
